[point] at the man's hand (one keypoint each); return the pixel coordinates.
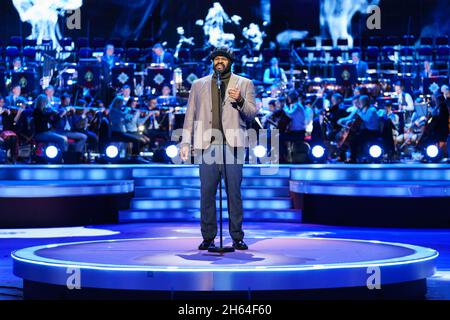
(184, 152)
(235, 94)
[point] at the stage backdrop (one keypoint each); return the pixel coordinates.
(159, 19)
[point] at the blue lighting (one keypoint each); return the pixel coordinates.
(432, 151)
(318, 152)
(375, 151)
(172, 151)
(51, 152)
(112, 151)
(259, 151)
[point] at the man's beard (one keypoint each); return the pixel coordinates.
(225, 68)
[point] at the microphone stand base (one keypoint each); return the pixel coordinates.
(221, 249)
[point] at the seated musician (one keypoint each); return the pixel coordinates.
(101, 125)
(14, 96)
(442, 128)
(161, 56)
(427, 71)
(117, 118)
(62, 124)
(133, 120)
(300, 116)
(50, 93)
(43, 115)
(370, 125)
(274, 74)
(405, 100)
(17, 65)
(267, 122)
(7, 136)
(81, 122)
(445, 90)
(390, 122)
(108, 60)
(361, 66)
(152, 124)
(126, 93)
(413, 129)
(388, 114)
(336, 112)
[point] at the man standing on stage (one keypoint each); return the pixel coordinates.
(202, 121)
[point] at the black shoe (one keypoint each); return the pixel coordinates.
(206, 244)
(240, 245)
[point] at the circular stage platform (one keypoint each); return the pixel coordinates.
(272, 267)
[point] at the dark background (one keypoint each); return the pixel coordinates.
(159, 19)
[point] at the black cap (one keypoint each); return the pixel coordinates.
(223, 52)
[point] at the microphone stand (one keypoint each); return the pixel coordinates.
(223, 174)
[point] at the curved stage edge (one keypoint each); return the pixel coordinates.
(285, 267)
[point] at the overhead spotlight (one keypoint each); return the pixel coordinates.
(172, 151)
(112, 151)
(432, 153)
(51, 152)
(259, 151)
(375, 152)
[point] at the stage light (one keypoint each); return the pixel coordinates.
(375, 151)
(432, 151)
(259, 151)
(318, 151)
(51, 152)
(112, 151)
(172, 151)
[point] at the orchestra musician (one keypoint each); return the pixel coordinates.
(14, 96)
(62, 124)
(274, 74)
(8, 137)
(17, 65)
(52, 99)
(117, 118)
(161, 56)
(43, 115)
(361, 66)
(133, 121)
(301, 116)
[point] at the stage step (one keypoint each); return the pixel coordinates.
(194, 192)
(192, 171)
(161, 181)
(179, 203)
(285, 215)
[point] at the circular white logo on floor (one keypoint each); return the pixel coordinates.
(55, 232)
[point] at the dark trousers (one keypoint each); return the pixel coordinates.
(210, 174)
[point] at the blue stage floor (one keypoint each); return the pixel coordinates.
(438, 239)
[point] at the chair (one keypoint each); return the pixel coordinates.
(133, 54)
(426, 41)
(408, 41)
(442, 40)
(98, 42)
(29, 53)
(85, 53)
(82, 42)
(15, 41)
(12, 52)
